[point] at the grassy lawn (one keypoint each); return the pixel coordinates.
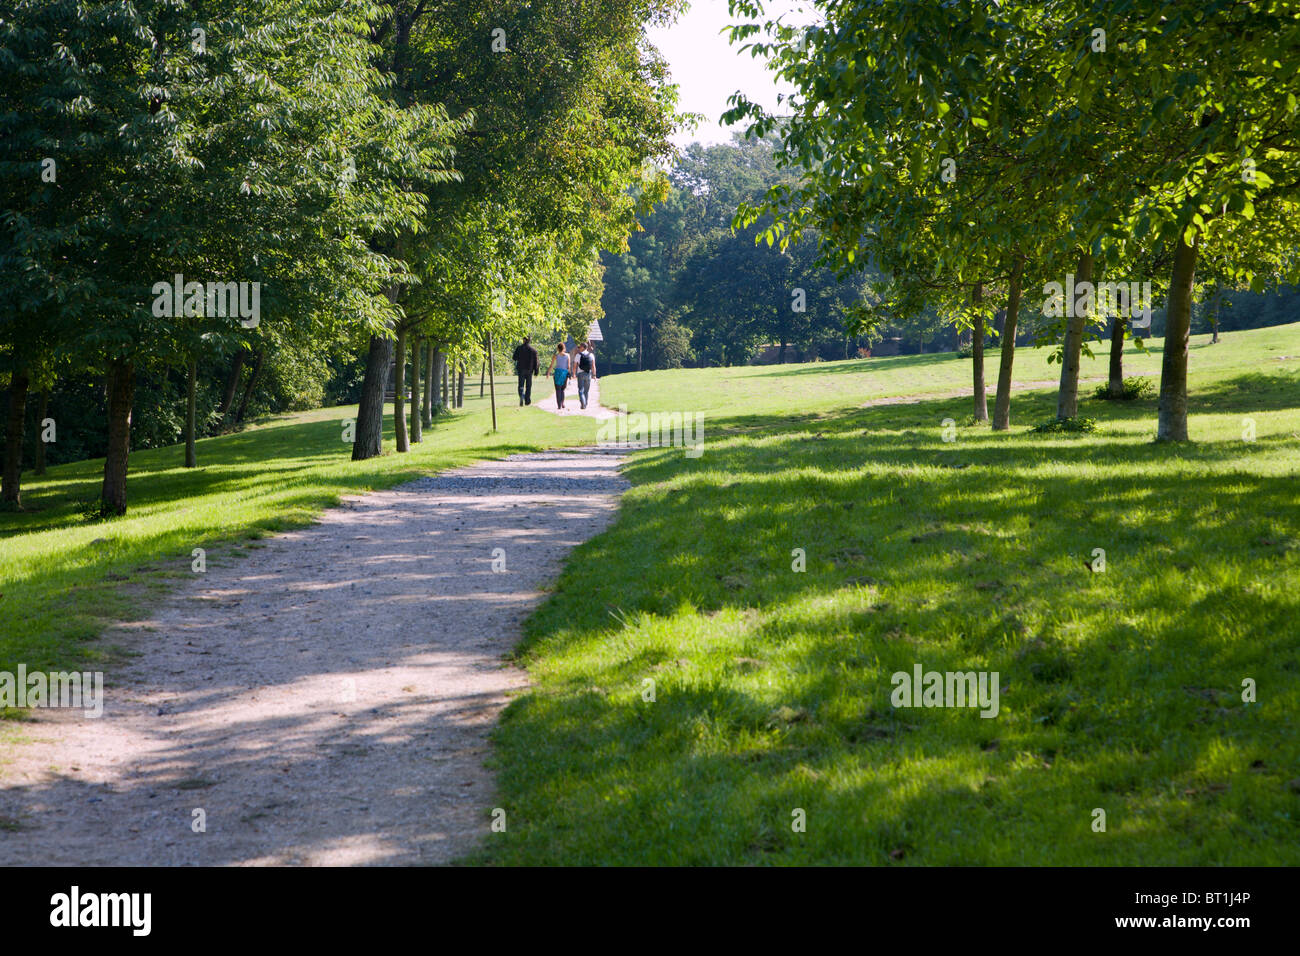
(1120, 690)
(755, 392)
(63, 577)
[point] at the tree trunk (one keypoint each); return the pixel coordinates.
(1116, 382)
(428, 384)
(1214, 313)
(460, 387)
(492, 382)
(446, 388)
(417, 422)
(191, 390)
(369, 436)
(977, 354)
(13, 469)
(121, 395)
(399, 393)
(482, 379)
(1067, 395)
(252, 384)
(1172, 422)
(435, 379)
(232, 383)
(369, 440)
(42, 412)
(1002, 404)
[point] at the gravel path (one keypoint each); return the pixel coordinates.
(325, 700)
(547, 403)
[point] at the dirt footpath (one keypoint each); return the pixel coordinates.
(326, 699)
(544, 398)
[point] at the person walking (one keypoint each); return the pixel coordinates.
(559, 370)
(527, 364)
(586, 371)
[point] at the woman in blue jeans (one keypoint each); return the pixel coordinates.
(559, 370)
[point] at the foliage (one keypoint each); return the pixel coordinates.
(1072, 424)
(732, 293)
(949, 143)
(672, 342)
(1134, 387)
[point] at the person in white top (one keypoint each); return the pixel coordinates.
(559, 370)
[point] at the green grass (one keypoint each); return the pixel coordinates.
(1122, 690)
(63, 577)
(753, 393)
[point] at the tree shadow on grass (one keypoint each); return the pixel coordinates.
(156, 480)
(1123, 687)
(863, 365)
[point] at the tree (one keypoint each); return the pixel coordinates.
(672, 342)
(1213, 86)
(732, 294)
(1065, 152)
(567, 108)
(216, 155)
(897, 130)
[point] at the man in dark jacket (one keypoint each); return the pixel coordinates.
(526, 366)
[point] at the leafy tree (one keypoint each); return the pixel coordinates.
(672, 342)
(568, 106)
(731, 293)
(217, 155)
(1064, 158)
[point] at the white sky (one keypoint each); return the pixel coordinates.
(708, 69)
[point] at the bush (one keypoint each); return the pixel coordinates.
(158, 410)
(295, 380)
(671, 341)
(1133, 388)
(1067, 425)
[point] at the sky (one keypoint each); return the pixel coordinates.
(708, 69)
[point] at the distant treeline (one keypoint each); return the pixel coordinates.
(693, 291)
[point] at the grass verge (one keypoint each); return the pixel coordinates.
(64, 578)
(694, 692)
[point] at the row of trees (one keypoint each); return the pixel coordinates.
(693, 290)
(404, 179)
(974, 152)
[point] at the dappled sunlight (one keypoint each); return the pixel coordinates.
(72, 575)
(772, 686)
(330, 694)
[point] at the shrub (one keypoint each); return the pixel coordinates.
(1067, 425)
(1133, 388)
